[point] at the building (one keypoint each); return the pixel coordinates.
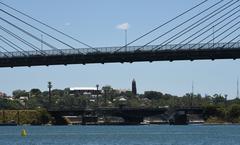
(90, 91)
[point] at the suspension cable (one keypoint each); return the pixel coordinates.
(195, 25)
(10, 44)
(229, 33)
(220, 33)
(3, 52)
(153, 30)
(205, 28)
(235, 42)
(37, 29)
(181, 24)
(231, 41)
(48, 26)
(216, 31)
(31, 35)
(22, 40)
(13, 44)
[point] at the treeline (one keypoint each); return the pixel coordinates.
(217, 107)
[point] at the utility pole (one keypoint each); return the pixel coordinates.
(97, 95)
(192, 95)
(225, 102)
(104, 91)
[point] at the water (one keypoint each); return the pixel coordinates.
(122, 135)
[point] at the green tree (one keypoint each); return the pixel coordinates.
(234, 113)
(19, 93)
(35, 92)
(153, 95)
(10, 104)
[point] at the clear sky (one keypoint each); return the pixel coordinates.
(94, 22)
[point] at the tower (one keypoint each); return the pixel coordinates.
(134, 87)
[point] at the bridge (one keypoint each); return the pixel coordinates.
(176, 116)
(129, 115)
(179, 116)
(107, 55)
(210, 32)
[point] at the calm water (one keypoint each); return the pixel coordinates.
(122, 135)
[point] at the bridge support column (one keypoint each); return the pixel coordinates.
(179, 118)
(133, 120)
(59, 120)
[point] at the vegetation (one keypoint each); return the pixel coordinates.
(217, 108)
(34, 117)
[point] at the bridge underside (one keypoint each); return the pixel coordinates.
(130, 115)
(121, 57)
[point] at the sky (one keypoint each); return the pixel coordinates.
(97, 24)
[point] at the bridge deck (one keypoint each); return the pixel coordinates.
(129, 54)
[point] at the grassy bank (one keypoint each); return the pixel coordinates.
(24, 116)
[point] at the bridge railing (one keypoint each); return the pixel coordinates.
(88, 51)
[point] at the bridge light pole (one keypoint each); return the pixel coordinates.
(125, 39)
(125, 27)
(41, 42)
(213, 35)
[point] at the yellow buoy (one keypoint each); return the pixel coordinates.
(23, 133)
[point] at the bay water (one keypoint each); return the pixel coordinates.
(122, 135)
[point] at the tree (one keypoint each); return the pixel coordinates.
(108, 93)
(214, 111)
(19, 93)
(35, 92)
(153, 95)
(10, 104)
(234, 113)
(218, 99)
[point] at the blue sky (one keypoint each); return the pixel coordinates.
(94, 22)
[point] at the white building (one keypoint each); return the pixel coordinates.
(91, 91)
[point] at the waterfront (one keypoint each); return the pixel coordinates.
(122, 135)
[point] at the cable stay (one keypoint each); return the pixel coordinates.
(235, 43)
(23, 41)
(181, 24)
(153, 30)
(195, 25)
(220, 33)
(217, 29)
(232, 40)
(6, 50)
(39, 30)
(3, 52)
(227, 34)
(205, 28)
(31, 35)
(10, 44)
(48, 26)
